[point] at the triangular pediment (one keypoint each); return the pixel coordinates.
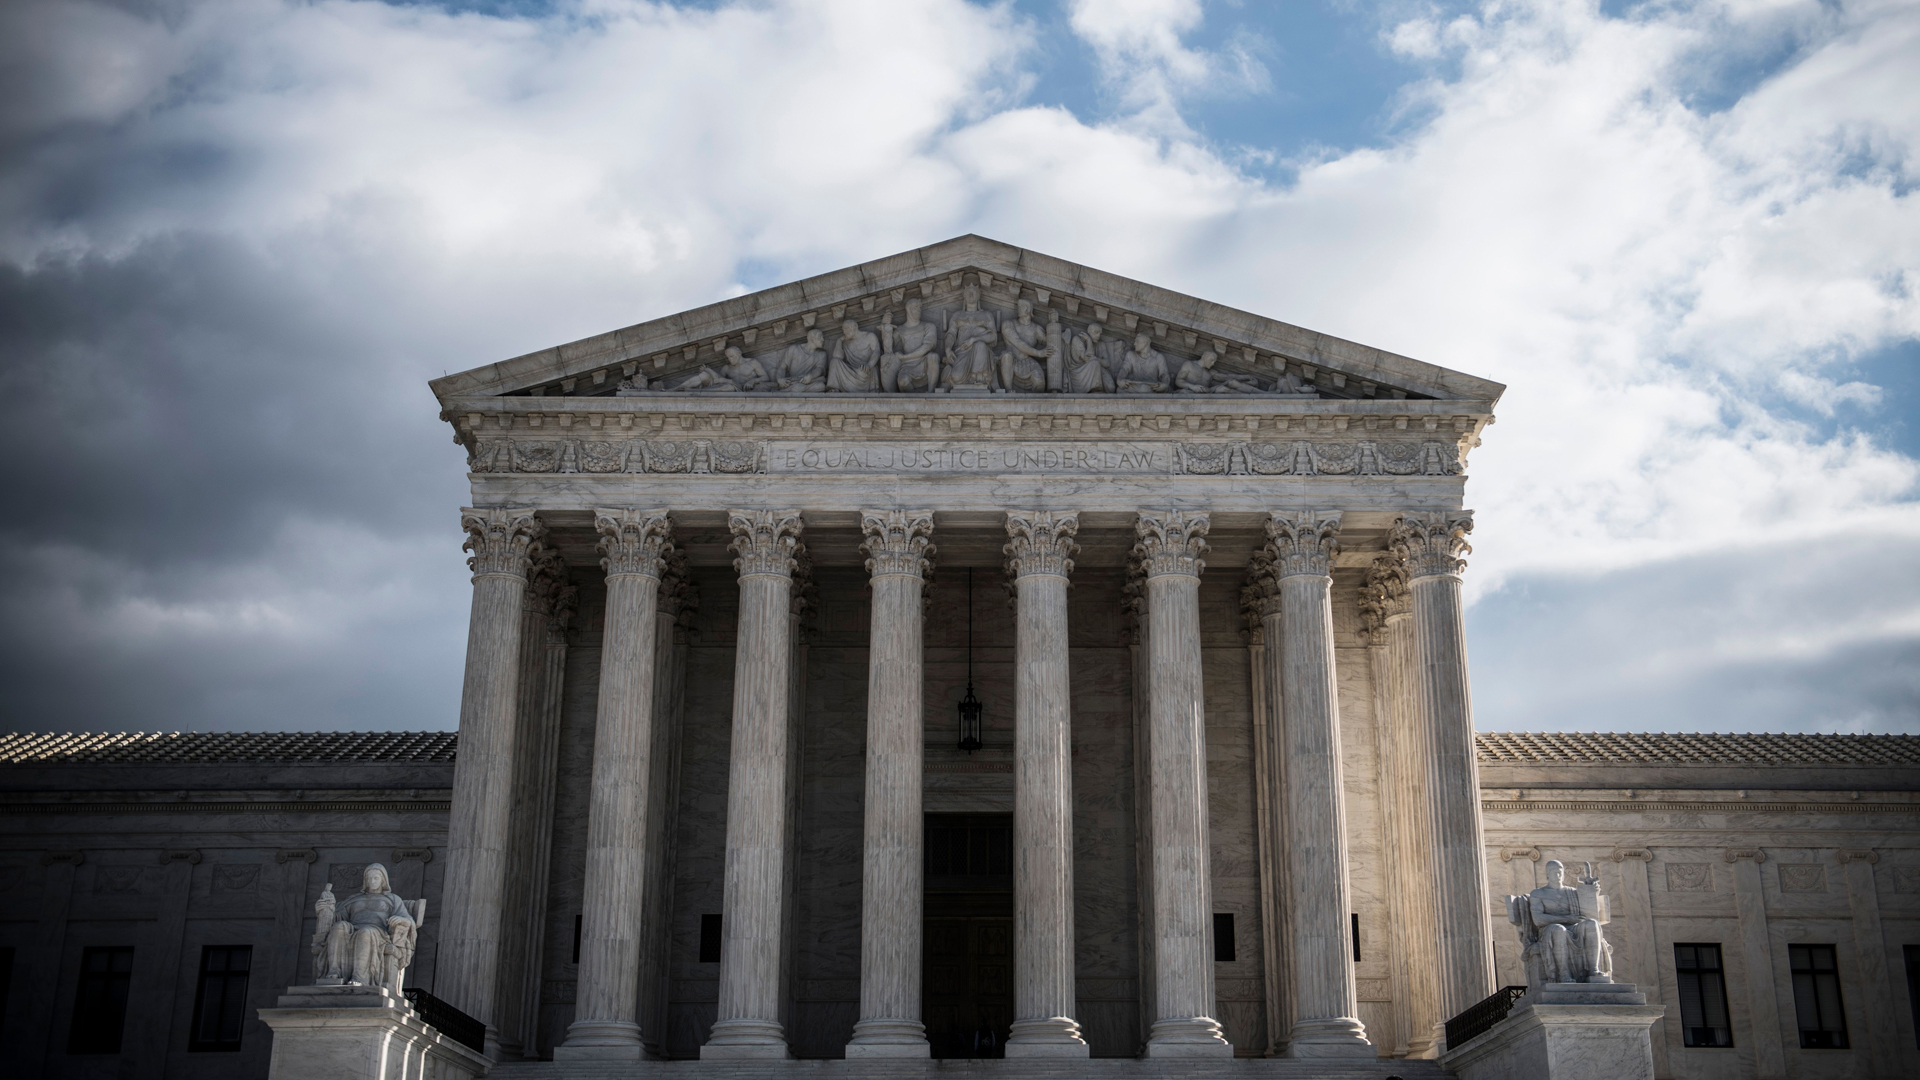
(668, 351)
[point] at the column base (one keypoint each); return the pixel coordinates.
(1049, 1037)
(1331, 1037)
(1425, 1046)
(889, 1037)
(601, 1040)
(1188, 1037)
(746, 1040)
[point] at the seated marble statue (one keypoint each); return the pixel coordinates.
(368, 938)
(910, 362)
(970, 336)
(803, 365)
(1085, 371)
(1198, 377)
(740, 372)
(1559, 929)
(1023, 366)
(1286, 383)
(854, 365)
(1144, 371)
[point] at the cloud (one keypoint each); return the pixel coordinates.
(236, 236)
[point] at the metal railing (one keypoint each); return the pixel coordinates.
(1477, 1020)
(452, 1023)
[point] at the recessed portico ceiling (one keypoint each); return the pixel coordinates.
(768, 320)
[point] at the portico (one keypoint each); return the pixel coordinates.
(1181, 596)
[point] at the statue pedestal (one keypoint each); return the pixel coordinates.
(1565, 1031)
(360, 1033)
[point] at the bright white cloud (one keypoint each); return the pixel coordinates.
(1672, 293)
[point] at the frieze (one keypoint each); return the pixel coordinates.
(813, 456)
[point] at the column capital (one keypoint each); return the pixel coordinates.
(679, 596)
(897, 541)
(1303, 542)
(1041, 542)
(1432, 543)
(1260, 591)
(633, 541)
(765, 541)
(1385, 596)
(546, 578)
(502, 539)
(1172, 542)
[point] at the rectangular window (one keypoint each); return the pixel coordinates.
(578, 922)
(100, 1001)
(1223, 949)
(1356, 937)
(709, 939)
(1703, 995)
(1913, 988)
(1816, 997)
(220, 1006)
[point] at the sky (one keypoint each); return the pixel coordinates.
(238, 236)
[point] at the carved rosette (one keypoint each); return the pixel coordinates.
(765, 541)
(1432, 543)
(898, 541)
(1304, 542)
(503, 540)
(1172, 543)
(633, 541)
(1041, 542)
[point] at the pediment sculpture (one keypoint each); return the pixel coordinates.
(1559, 929)
(368, 938)
(967, 346)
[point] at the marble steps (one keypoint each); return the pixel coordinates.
(1096, 1069)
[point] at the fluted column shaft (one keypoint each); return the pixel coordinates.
(1039, 556)
(548, 601)
(1300, 618)
(892, 863)
(605, 1024)
(678, 600)
(502, 542)
(1170, 548)
(752, 920)
(1432, 545)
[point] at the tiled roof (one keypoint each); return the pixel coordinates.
(1651, 748)
(226, 747)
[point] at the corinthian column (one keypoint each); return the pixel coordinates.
(1432, 545)
(1299, 617)
(1169, 550)
(1039, 554)
(632, 543)
(503, 542)
(545, 610)
(673, 617)
(1403, 794)
(751, 928)
(897, 548)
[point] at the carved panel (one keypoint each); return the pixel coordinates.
(1906, 879)
(1803, 878)
(236, 877)
(1689, 877)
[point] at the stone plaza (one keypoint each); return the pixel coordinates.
(965, 655)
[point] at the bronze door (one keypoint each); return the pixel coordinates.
(968, 999)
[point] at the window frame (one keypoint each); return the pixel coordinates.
(83, 1028)
(1808, 990)
(1704, 977)
(227, 977)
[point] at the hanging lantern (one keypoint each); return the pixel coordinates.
(970, 708)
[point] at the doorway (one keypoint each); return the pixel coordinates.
(967, 995)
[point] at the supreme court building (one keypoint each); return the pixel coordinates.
(799, 527)
(966, 654)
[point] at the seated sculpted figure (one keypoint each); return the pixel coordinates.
(1144, 371)
(368, 938)
(854, 366)
(1086, 372)
(803, 365)
(1198, 377)
(970, 334)
(1023, 366)
(740, 372)
(1559, 930)
(911, 361)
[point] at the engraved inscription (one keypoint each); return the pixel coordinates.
(966, 458)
